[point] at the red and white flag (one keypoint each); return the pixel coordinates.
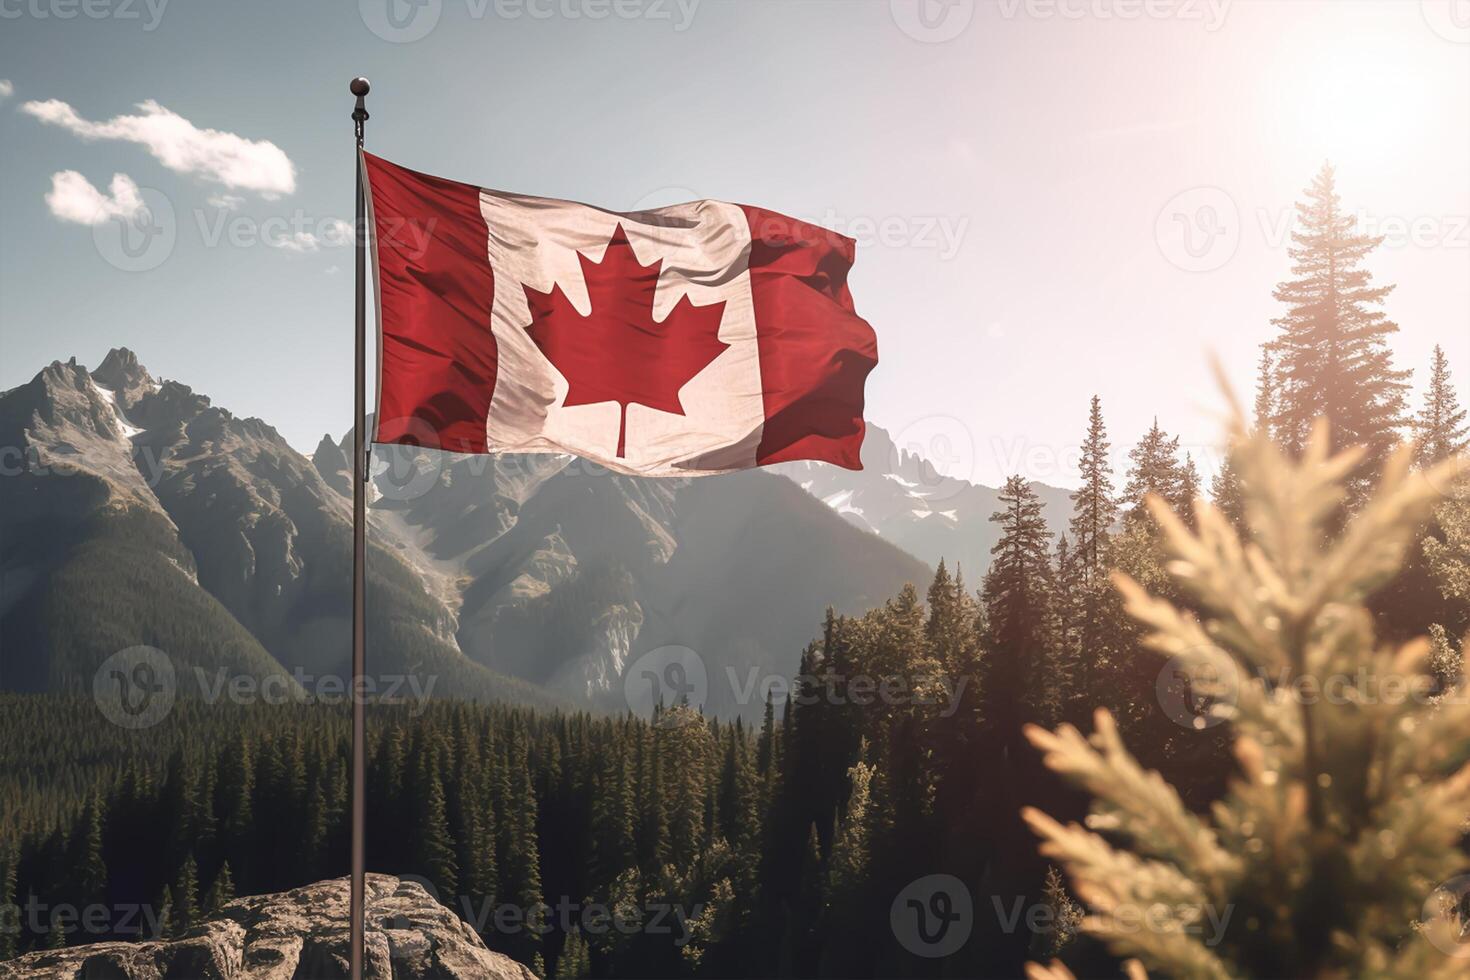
(693, 339)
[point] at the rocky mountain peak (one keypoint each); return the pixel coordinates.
(331, 462)
(121, 372)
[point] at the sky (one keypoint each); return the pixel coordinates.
(1052, 198)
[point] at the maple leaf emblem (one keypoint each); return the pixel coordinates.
(619, 352)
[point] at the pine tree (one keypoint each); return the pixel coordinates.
(1225, 490)
(1018, 595)
(234, 789)
(1440, 429)
(1333, 359)
(88, 869)
(521, 860)
(1155, 470)
(163, 919)
(1189, 489)
(1266, 392)
(9, 910)
(1228, 496)
(575, 961)
(1448, 555)
(1094, 509)
(1094, 512)
(1346, 811)
(184, 915)
(221, 890)
(1067, 605)
(434, 846)
(848, 874)
(1063, 918)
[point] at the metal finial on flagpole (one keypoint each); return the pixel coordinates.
(357, 900)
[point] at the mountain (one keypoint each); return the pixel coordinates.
(900, 496)
(140, 514)
(563, 574)
(90, 561)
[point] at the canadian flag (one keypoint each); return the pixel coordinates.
(682, 341)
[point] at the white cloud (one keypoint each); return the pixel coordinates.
(6, 89)
(225, 158)
(331, 232)
(226, 202)
(73, 198)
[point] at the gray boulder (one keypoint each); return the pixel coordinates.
(296, 935)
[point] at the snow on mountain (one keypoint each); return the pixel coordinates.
(902, 497)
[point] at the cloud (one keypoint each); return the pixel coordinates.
(225, 158)
(332, 232)
(73, 198)
(6, 89)
(226, 202)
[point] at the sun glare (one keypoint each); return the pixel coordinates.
(1357, 97)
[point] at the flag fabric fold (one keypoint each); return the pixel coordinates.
(681, 341)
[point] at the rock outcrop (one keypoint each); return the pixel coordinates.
(295, 935)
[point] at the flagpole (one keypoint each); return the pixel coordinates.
(358, 890)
